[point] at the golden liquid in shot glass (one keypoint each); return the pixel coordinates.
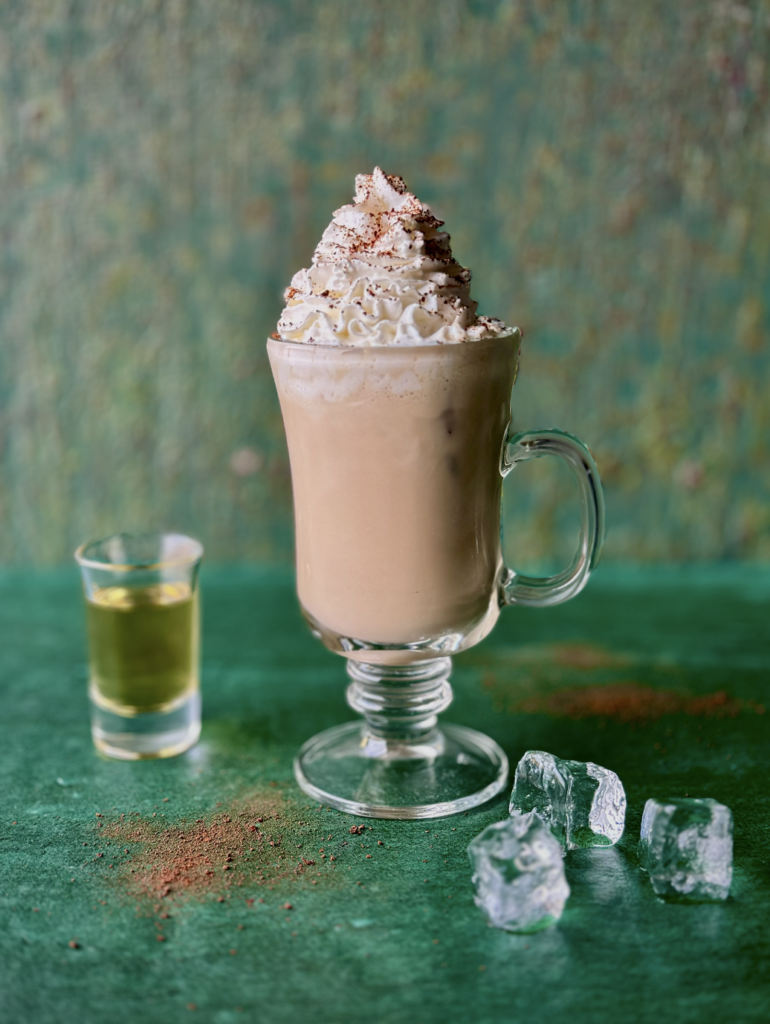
(143, 646)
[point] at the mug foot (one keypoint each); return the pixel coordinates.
(447, 771)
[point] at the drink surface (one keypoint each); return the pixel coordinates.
(144, 646)
(395, 471)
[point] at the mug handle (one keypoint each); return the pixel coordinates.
(536, 591)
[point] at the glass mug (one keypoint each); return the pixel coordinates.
(397, 461)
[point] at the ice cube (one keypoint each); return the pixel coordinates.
(686, 845)
(518, 871)
(582, 803)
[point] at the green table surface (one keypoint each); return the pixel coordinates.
(661, 675)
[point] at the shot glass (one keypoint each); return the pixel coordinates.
(141, 593)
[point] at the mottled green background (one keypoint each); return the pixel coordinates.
(165, 166)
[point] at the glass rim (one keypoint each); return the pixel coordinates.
(195, 555)
(513, 332)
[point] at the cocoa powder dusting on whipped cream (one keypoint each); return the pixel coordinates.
(384, 274)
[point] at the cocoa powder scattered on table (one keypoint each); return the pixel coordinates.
(205, 856)
(630, 702)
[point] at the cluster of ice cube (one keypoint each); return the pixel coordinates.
(519, 874)
(582, 803)
(556, 805)
(686, 846)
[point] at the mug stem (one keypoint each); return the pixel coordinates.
(399, 762)
(400, 703)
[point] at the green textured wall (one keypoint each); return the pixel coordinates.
(604, 168)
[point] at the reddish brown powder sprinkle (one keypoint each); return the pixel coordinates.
(545, 659)
(206, 859)
(629, 702)
(176, 861)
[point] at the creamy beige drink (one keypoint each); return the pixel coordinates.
(395, 469)
(395, 398)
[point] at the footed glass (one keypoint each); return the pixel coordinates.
(141, 593)
(397, 461)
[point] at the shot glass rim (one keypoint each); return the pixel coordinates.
(91, 563)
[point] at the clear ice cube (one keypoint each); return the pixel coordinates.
(582, 803)
(518, 871)
(686, 846)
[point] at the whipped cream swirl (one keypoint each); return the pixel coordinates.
(383, 274)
